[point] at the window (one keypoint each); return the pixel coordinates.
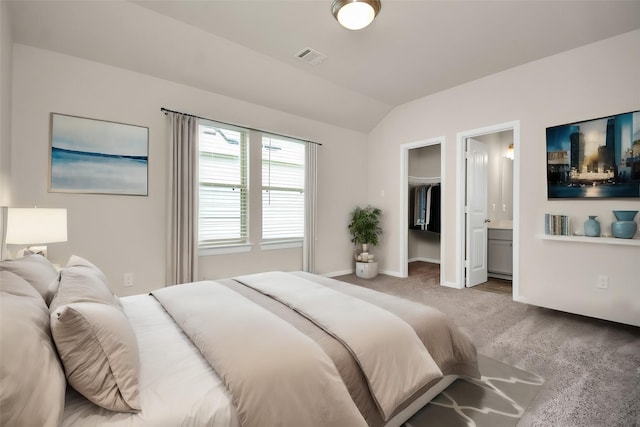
(224, 206)
(222, 215)
(283, 179)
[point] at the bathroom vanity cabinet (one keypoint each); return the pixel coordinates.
(500, 253)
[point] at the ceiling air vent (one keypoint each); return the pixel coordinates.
(311, 56)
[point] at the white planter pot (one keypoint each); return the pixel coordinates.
(366, 270)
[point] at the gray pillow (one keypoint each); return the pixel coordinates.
(37, 270)
(32, 382)
(99, 352)
(76, 261)
(83, 282)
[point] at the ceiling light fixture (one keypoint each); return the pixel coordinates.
(355, 14)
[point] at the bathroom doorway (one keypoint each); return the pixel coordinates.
(488, 237)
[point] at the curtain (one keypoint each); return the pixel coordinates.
(311, 184)
(182, 253)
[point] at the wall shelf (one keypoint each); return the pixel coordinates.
(596, 240)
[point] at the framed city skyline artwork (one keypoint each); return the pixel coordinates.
(597, 158)
(97, 156)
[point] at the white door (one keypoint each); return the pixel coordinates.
(477, 194)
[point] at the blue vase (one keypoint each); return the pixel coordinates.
(625, 227)
(592, 227)
(625, 215)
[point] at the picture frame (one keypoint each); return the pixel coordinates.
(97, 156)
(595, 159)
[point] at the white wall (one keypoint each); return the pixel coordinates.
(592, 81)
(127, 233)
(6, 49)
(6, 63)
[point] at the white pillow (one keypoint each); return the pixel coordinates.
(32, 382)
(37, 270)
(99, 352)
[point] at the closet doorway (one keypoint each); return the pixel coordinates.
(422, 197)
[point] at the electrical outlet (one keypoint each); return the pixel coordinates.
(603, 282)
(128, 280)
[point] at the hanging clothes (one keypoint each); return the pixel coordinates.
(434, 209)
(425, 208)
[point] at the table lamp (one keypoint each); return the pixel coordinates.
(36, 226)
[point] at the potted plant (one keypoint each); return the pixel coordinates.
(364, 227)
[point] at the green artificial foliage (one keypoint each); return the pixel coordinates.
(365, 225)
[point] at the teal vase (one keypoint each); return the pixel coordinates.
(625, 227)
(592, 227)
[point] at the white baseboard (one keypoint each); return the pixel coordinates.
(345, 272)
(422, 259)
(390, 273)
(453, 285)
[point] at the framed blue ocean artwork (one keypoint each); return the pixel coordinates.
(597, 158)
(98, 157)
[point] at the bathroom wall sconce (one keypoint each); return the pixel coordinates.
(509, 154)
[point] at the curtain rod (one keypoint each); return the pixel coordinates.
(166, 110)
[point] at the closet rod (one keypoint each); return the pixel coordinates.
(166, 110)
(425, 179)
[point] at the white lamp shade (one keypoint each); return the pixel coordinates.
(26, 226)
(509, 154)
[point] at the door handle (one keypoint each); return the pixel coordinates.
(487, 220)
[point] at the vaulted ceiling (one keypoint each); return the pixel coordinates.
(248, 49)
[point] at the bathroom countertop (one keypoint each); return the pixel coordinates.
(503, 224)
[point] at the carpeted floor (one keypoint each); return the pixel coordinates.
(591, 367)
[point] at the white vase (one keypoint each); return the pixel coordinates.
(366, 270)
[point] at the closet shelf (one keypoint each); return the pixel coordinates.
(424, 179)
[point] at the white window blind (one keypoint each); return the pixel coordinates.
(223, 194)
(283, 178)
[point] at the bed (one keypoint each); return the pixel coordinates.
(268, 349)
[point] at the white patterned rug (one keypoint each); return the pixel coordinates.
(498, 399)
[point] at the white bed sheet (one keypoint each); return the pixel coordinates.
(177, 385)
